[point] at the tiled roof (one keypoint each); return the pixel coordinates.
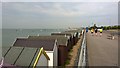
(47, 44)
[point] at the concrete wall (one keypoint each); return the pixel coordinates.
(42, 61)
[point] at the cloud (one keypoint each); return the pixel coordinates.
(63, 13)
(66, 9)
(59, 0)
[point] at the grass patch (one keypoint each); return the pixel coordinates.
(69, 57)
(67, 62)
(71, 50)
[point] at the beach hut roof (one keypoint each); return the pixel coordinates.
(61, 40)
(47, 44)
(62, 33)
(23, 56)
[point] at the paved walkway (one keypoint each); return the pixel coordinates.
(102, 51)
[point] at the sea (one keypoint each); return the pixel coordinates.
(8, 36)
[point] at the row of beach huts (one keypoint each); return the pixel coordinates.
(34, 51)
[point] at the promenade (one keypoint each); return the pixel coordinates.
(102, 51)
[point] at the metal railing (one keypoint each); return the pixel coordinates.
(82, 56)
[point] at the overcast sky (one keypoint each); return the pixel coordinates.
(58, 14)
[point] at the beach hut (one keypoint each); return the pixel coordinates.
(75, 34)
(25, 56)
(62, 44)
(41, 59)
(49, 45)
(66, 34)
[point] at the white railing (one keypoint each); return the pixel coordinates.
(82, 57)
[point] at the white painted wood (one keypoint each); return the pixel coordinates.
(50, 62)
(55, 56)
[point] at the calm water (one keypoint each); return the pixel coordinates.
(9, 35)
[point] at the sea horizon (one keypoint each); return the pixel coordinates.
(9, 35)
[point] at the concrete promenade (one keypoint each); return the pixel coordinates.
(102, 51)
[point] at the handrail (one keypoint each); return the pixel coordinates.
(82, 57)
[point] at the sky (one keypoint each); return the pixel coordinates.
(60, 0)
(58, 14)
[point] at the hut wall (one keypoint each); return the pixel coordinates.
(62, 54)
(50, 54)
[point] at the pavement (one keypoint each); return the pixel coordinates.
(102, 51)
